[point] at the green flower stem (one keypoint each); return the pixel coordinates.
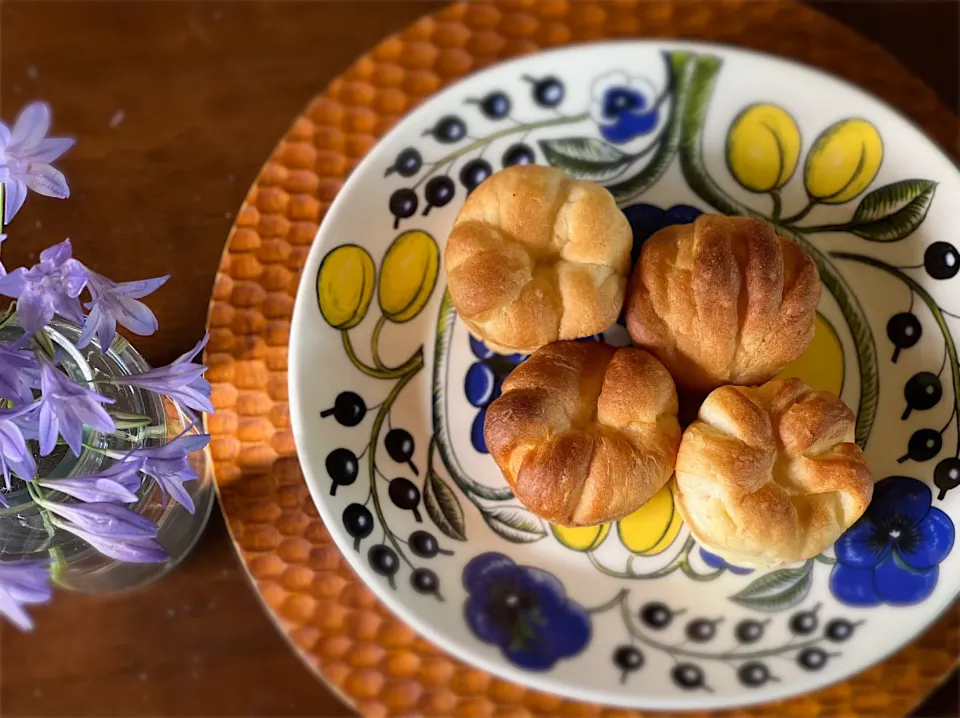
(794, 218)
(680, 562)
(775, 196)
(381, 373)
(59, 560)
(934, 310)
(526, 127)
(825, 559)
(416, 364)
(695, 172)
(10, 312)
(375, 341)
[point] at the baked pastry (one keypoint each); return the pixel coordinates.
(535, 256)
(722, 301)
(770, 475)
(585, 433)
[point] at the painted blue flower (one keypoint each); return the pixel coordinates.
(624, 107)
(891, 555)
(524, 611)
(714, 561)
(482, 384)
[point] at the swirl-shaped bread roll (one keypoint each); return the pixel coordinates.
(535, 256)
(722, 301)
(770, 475)
(585, 433)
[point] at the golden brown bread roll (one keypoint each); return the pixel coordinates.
(535, 256)
(585, 433)
(722, 301)
(770, 475)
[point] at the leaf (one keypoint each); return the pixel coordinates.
(515, 524)
(777, 590)
(585, 157)
(444, 508)
(892, 212)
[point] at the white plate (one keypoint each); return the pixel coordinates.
(387, 389)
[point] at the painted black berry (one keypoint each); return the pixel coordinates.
(342, 467)
(687, 675)
(753, 674)
(438, 192)
(749, 631)
(701, 630)
(407, 164)
(812, 659)
(924, 444)
(384, 561)
(405, 495)
(495, 105)
(803, 623)
(519, 154)
(403, 204)
(904, 330)
(923, 391)
(425, 545)
(628, 659)
(946, 476)
(426, 582)
(656, 615)
(941, 260)
(839, 629)
(475, 172)
(448, 129)
(547, 92)
(348, 409)
(399, 445)
(358, 521)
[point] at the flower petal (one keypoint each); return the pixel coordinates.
(58, 253)
(853, 586)
(48, 427)
(934, 541)
(44, 179)
(862, 545)
(485, 569)
(131, 551)
(135, 316)
(142, 287)
(34, 309)
(47, 150)
(900, 585)
(13, 284)
(31, 125)
(14, 195)
(900, 496)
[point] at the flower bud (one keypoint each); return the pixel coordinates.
(345, 286)
(843, 161)
(407, 275)
(653, 527)
(763, 147)
(581, 538)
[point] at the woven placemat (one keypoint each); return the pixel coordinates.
(376, 661)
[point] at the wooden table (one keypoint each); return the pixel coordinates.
(176, 105)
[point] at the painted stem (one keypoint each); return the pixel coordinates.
(381, 373)
(925, 297)
(695, 172)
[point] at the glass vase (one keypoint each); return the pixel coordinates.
(26, 534)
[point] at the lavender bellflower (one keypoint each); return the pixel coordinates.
(182, 380)
(23, 583)
(116, 484)
(65, 407)
(168, 464)
(114, 304)
(49, 287)
(14, 453)
(112, 530)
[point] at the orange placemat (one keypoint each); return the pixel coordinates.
(343, 632)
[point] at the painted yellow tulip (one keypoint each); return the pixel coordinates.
(407, 275)
(763, 147)
(581, 538)
(653, 527)
(345, 286)
(821, 365)
(843, 161)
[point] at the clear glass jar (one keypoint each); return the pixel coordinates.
(24, 532)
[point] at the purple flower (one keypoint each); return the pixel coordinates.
(112, 530)
(117, 304)
(714, 561)
(116, 484)
(168, 465)
(65, 407)
(25, 157)
(16, 368)
(23, 583)
(49, 287)
(14, 452)
(3, 271)
(182, 380)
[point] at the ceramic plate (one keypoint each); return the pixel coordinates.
(389, 391)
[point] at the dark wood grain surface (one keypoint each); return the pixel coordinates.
(176, 105)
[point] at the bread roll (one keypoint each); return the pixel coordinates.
(770, 475)
(535, 256)
(585, 433)
(722, 301)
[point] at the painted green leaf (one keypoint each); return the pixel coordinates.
(777, 590)
(892, 212)
(585, 157)
(443, 507)
(515, 524)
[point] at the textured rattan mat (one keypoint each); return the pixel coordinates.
(340, 628)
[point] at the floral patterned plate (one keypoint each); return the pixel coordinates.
(389, 391)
